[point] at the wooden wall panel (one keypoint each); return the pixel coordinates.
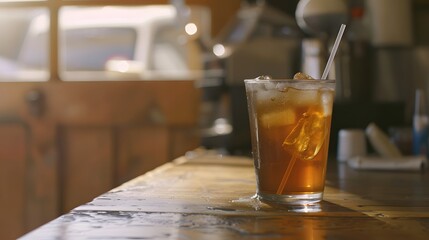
(140, 149)
(112, 130)
(183, 140)
(87, 166)
(13, 185)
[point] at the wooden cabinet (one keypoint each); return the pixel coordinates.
(63, 143)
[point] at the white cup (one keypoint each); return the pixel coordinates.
(351, 143)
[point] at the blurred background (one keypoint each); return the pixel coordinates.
(96, 92)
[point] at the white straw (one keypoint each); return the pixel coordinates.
(334, 51)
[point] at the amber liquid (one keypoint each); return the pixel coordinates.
(294, 136)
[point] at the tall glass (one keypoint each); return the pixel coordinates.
(290, 123)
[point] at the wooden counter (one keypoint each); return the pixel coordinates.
(207, 196)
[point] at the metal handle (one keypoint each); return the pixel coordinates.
(36, 102)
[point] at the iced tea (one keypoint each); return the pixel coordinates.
(290, 124)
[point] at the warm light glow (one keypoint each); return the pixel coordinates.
(222, 126)
(191, 28)
(219, 50)
(122, 66)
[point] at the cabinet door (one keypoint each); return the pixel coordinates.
(13, 175)
(64, 143)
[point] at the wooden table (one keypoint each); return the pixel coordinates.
(207, 196)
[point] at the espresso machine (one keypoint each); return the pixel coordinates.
(372, 67)
(372, 62)
(261, 40)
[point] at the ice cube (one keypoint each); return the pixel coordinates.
(264, 77)
(278, 118)
(308, 136)
(302, 76)
(301, 97)
(327, 97)
(265, 96)
(270, 86)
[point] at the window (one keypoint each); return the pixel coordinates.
(87, 41)
(14, 24)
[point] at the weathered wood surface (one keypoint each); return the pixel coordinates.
(208, 197)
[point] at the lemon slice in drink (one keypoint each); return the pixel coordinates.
(308, 135)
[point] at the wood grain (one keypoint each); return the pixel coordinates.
(208, 196)
(77, 140)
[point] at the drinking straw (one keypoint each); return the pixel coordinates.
(286, 175)
(333, 52)
(324, 75)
